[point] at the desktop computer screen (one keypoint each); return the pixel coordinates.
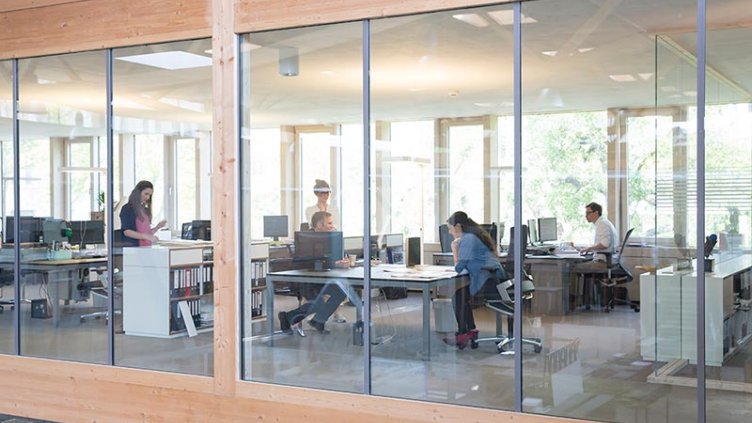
(353, 245)
(322, 248)
(201, 229)
(30, 229)
(532, 227)
(547, 229)
(275, 227)
(85, 232)
(54, 230)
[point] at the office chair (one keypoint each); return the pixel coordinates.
(505, 305)
(102, 293)
(445, 238)
(614, 275)
(6, 279)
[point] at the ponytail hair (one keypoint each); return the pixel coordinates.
(469, 225)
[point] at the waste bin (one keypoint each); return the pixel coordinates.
(443, 315)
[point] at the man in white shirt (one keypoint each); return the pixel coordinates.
(603, 241)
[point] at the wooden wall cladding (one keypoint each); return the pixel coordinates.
(259, 15)
(77, 392)
(65, 27)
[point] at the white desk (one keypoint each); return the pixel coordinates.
(381, 276)
(668, 318)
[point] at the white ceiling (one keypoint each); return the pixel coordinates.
(422, 67)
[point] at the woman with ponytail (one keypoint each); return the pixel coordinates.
(474, 253)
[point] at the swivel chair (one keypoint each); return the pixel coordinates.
(615, 274)
(6, 279)
(505, 305)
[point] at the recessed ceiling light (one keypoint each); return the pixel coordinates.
(551, 53)
(585, 49)
(645, 76)
(42, 81)
(208, 51)
(484, 104)
(690, 93)
(669, 88)
(170, 60)
(623, 78)
(506, 17)
(472, 18)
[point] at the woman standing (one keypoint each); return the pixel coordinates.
(473, 251)
(322, 191)
(135, 217)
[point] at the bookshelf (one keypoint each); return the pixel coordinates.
(168, 289)
(255, 285)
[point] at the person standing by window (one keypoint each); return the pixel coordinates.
(135, 217)
(322, 191)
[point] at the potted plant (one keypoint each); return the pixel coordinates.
(99, 215)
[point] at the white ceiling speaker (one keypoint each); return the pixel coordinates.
(288, 61)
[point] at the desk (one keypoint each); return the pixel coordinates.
(381, 276)
(550, 275)
(56, 273)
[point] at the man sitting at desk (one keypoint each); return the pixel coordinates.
(327, 301)
(604, 241)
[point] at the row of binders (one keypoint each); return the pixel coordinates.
(257, 304)
(177, 323)
(258, 273)
(190, 281)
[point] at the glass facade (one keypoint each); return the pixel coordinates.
(608, 110)
(600, 154)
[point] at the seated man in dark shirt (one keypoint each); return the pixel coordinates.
(327, 301)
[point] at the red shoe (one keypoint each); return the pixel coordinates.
(463, 339)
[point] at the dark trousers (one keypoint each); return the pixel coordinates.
(325, 304)
(463, 310)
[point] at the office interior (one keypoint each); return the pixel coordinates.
(608, 104)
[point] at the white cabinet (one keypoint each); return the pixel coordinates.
(255, 286)
(157, 279)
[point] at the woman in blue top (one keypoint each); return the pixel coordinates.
(474, 253)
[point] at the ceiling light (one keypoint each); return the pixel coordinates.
(183, 104)
(623, 78)
(690, 93)
(170, 60)
(208, 51)
(484, 104)
(645, 76)
(506, 17)
(472, 18)
(585, 49)
(668, 88)
(288, 61)
(129, 104)
(327, 73)
(551, 53)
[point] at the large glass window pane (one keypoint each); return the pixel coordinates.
(64, 300)
(7, 288)
(728, 211)
(302, 149)
(439, 83)
(162, 123)
(606, 120)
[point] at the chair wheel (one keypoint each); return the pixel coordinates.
(607, 310)
(637, 309)
(474, 344)
(538, 349)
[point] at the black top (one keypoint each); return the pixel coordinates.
(128, 221)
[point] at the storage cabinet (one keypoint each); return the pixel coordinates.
(255, 286)
(168, 290)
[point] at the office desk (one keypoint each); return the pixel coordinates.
(384, 275)
(550, 275)
(57, 273)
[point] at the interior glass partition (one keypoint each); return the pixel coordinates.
(439, 83)
(728, 200)
(607, 119)
(61, 225)
(162, 106)
(301, 134)
(7, 287)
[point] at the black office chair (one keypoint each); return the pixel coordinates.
(505, 306)
(614, 275)
(445, 238)
(6, 279)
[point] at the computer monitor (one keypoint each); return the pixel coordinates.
(30, 229)
(85, 232)
(201, 229)
(321, 248)
(353, 245)
(445, 238)
(394, 240)
(532, 226)
(54, 230)
(186, 231)
(275, 227)
(547, 229)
